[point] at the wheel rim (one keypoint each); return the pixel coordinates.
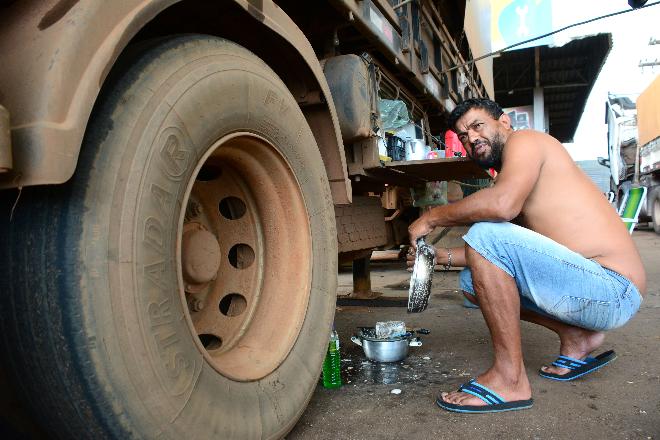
(656, 212)
(244, 253)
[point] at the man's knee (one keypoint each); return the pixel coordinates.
(487, 235)
(486, 246)
(470, 255)
(476, 261)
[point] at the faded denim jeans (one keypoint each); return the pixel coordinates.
(553, 280)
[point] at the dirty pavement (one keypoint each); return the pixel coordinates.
(397, 400)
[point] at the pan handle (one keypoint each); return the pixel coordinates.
(356, 340)
(415, 342)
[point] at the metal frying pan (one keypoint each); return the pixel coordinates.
(420, 281)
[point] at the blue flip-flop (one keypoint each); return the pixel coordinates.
(579, 367)
(494, 402)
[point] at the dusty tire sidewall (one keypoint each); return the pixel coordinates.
(655, 211)
(166, 112)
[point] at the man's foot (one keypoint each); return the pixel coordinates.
(579, 367)
(576, 343)
(509, 391)
(493, 402)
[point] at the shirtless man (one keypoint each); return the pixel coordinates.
(568, 263)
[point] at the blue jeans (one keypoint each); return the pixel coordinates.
(553, 280)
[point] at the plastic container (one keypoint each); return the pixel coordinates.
(406, 131)
(453, 146)
(390, 329)
(382, 148)
(332, 363)
(435, 154)
(416, 150)
(396, 148)
(409, 131)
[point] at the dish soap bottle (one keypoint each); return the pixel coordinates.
(332, 363)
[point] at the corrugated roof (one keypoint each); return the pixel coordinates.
(567, 75)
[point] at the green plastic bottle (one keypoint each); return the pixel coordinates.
(332, 363)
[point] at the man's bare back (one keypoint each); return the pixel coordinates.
(567, 207)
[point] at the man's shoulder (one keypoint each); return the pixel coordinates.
(528, 134)
(532, 140)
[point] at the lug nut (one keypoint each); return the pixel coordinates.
(197, 305)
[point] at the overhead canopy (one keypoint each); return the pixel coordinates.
(566, 74)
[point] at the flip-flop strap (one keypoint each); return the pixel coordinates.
(568, 362)
(477, 390)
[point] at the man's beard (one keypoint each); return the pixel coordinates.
(494, 159)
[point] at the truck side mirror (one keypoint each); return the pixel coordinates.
(604, 162)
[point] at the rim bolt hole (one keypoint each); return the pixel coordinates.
(210, 342)
(241, 256)
(233, 304)
(209, 172)
(232, 208)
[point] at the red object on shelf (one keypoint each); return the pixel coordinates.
(453, 145)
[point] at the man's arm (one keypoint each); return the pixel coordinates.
(457, 256)
(522, 160)
(442, 257)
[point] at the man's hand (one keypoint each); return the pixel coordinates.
(440, 257)
(419, 228)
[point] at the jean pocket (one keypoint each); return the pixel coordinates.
(584, 312)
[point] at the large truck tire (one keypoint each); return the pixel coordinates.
(183, 284)
(655, 211)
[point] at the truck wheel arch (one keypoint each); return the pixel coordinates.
(84, 43)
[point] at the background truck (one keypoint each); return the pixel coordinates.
(634, 148)
(178, 179)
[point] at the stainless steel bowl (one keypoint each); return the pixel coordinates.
(386, 350)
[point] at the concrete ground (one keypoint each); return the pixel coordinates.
(621, 401)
